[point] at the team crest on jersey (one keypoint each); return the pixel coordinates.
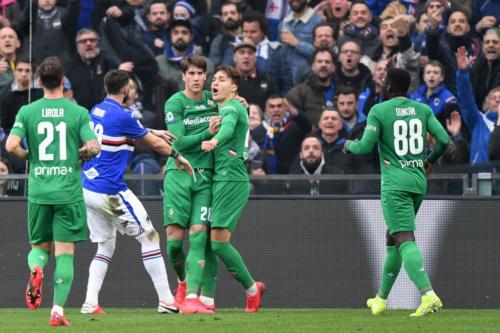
(210, 102)
(170, 212)
(436, 101)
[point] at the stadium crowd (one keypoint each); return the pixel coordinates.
(311, 69)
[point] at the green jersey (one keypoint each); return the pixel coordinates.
(54, 129)
(188, 120)
(400, 126)
(232, 150)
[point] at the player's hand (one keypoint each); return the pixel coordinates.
(183, 164)
(243, 101)
(214, 125)
(427, 167)
(345, 149)
(209, 145)
(463, 62)
(165, 135)
(90, 149)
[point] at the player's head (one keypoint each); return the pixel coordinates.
(396, 83)
(311, 151)
(433, 74)
(225, 83)
(194, 73)
(116, 83)
(51, 73)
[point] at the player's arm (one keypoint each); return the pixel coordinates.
(369, 139)
(91, 146)
(162, 147)
(229, 119)
(18, 132)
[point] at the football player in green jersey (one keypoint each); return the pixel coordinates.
(191, 115)
(53, 127)
(231, 183)
(400, 127)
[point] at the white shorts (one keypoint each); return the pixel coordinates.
(108, 213)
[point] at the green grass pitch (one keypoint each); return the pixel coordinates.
(268, 320)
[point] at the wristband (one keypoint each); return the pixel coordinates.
(174, 154)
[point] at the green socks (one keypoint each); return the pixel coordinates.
(177, 257)
(63, 278)
(209, 280)
(234, 263)
(195, 261)
(392, 266)
(414, 266)
(37, 256)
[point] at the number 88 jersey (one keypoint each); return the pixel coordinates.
(54, 129)
(116, 129)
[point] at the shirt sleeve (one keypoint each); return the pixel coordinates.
(229, 116)
(86, 132)
(19, 127)
(132, 127)
(370, 136)
(439, 133)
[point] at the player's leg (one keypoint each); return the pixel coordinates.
(40, 235)
(229, 199)
(69, 227)
(102, 232)
(140, 227)
(209, 279)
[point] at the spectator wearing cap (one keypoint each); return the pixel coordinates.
(87, 68)
(361, 30)
(296, 35)
(221, 51)
(318, 90)
(158, 17)
(442, 46)
(254, 86)
(350, 72)
(53, 28)
(183, 10)
(485, 73)
(179, 46)
(19, 92)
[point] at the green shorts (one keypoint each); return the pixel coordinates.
(400, 209)
(61, 223)
(229, 200)
(187, 199)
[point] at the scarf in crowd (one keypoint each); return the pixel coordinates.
(46, 17)
(271, 140)
(170, 53)
(314, 169)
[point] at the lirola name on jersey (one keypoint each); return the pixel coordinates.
(411, 164)
(196, 121)
(53, 171)
(52, 113)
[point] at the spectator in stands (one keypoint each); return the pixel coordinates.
(494, 144)
(324, 36)
(179, 46)
(332, 136)
(371, 95)
(281, 133)
(361, 30)
(221, 51)
(485, 13)
(254, 86)
(5, 169)
(53, 28)
(158, 17)
(269, 54)
(311, 160)
(336, 12)
(479, 124)
(183, 10)
(138, 24)
(434, 93)
(118, 10)
(87, 69)
(255, 116)
(442, 47)
(318, 90)
(9, 44)
(419, 38)
(296, 35)
(350, 73)
(347, 106)
(19, 93)
(485, 73)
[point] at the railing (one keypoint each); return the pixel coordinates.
(480, 184)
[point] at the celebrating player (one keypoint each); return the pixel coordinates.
(54, 128)
(111, 206)
(400, 126)
(231, 184)
(187, 202)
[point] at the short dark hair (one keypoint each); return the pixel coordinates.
(254, 16)
(115, 80)
(360, 2)
(323, 49)
(23, 60)
(325, 24)
(230, 3)
(346, 90)
(50, 72)
(233, 74)
(155, 2)
(399, 81)
(193, 60)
